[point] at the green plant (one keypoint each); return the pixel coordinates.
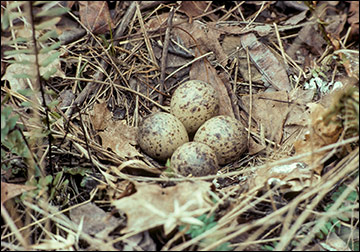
(335, 221)
(196, 230)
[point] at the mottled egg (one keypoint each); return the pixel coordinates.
(161, 134)
(194, 158)
(224, 134)
(193, 103)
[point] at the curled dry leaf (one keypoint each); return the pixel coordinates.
(270, 110)
(291, 177)
(95, 15)
(95, 220)
(266, 62)
(9, 190)
(115, 135)
(320, 135)
(151, 205)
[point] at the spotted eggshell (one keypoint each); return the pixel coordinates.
(194, 158)
(193, 103)
(161, 134)
(225, 135)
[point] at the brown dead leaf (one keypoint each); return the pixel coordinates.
(95, 220)
(100, 116)
(353, 19)
(270, 110)
(230, 44)
(120, 138)
(152, 205)
(291, 177)
(265, 61)
(294, 20)
(201, 70)
(95, 15)
(115, 135)
(195, 8)
(9, 190)
(320, 135)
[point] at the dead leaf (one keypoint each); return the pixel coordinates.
(334, 243)
(16, 68)
(100, 116)
(115, 135)
(353, 19)
(95, 15)
(9, 191)
(141, 240)
(152, 205)
(265, 61)
(120, 138)
(320, 135)
(201, 70)
(195, 8)
(269, 110)
(291, 177)
(294, 20)
(232, 43)
(95, 220)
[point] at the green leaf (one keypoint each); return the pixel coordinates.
(52, 12)
(20, 51)
(22, 62)
(5, 21)
(49, 73)
(47, 24)
(353, 196)
(15, 4)
(324, 230)
(224, 247)
(26, 104)
(12, 121)
(50, 59)
(6, 111)
(76, 171)
(57, 178)
(47, 35)
(22, 75)
(50, 48)
(25, 92)
(53, 103)
(15, 41)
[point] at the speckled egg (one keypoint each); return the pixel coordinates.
(193, 103)
(194, 158)
(161, 134)
(224, 134)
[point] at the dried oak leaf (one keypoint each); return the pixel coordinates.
(320, 135)
(195, 8)
(269, 110)
(95, 220)
(95, 15)
(115, 135)
(120, 138)
(291, 177)
(152, 205)
(266, 62)
(9, 190)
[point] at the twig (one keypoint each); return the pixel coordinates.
(99, 75)
(250, 93)
(280, 44)
(124, 22)
(165, 53)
